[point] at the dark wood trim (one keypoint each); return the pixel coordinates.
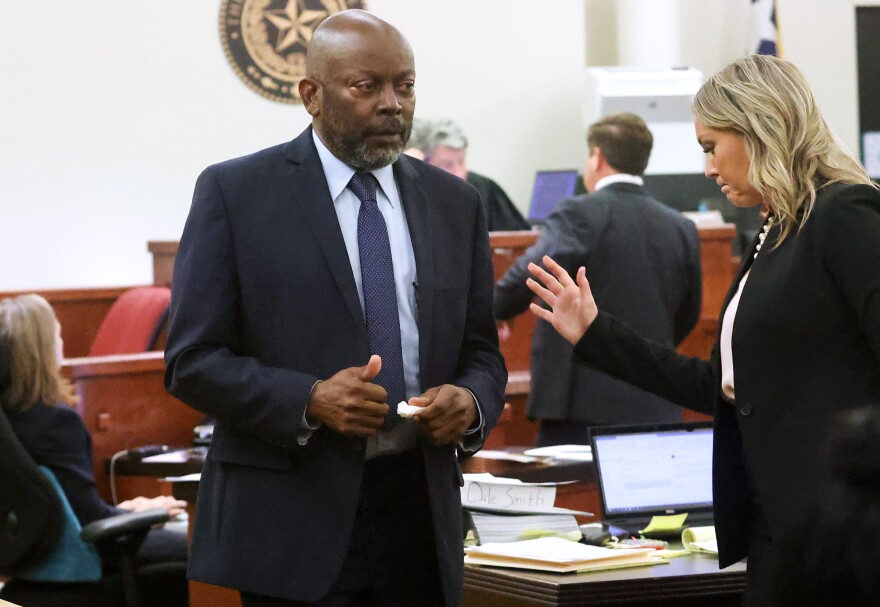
(520, 239)
(70, 295)
(108, 366)
(164, 252)
(694, 579)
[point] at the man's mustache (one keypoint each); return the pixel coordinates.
(389, 127)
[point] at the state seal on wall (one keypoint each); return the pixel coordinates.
(265, 41)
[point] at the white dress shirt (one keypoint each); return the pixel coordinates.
(404, 435)
(618, 178)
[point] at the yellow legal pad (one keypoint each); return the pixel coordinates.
(665, 523)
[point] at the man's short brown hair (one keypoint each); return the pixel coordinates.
(624, 139)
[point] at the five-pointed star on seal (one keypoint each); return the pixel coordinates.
(293, 24)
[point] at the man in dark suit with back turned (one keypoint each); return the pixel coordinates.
(644, 264)
(318, 283)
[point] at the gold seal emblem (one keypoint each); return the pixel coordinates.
(265, 41)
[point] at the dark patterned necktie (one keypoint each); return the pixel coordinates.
(380, 296)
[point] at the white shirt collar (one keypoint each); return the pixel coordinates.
(338, 173)
(616, 178)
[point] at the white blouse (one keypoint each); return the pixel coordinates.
(727, 387)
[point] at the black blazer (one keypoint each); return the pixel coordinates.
(501, 214)
(806, 345)
(264, 304)
(643, 261)
(56, 437)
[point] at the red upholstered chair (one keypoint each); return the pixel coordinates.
(134, 322)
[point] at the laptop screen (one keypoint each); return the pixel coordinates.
(657, 469)
(551, 188)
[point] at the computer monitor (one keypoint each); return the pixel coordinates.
(551, 188)
(653, 469)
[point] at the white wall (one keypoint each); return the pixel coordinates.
(708, 33)
(508, 73)
(111, 109)
(817, 35)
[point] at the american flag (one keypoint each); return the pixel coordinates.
(765, 28)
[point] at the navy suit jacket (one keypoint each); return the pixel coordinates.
(264, 304)
(643, 262)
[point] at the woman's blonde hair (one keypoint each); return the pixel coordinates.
(792, 150)
(28, 331)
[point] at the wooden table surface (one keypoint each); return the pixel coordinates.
(690, 580)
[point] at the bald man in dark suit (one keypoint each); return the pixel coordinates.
(317, 284)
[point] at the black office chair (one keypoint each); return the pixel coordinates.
(35, 544)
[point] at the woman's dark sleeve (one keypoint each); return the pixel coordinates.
(67, 451)
(612, 347)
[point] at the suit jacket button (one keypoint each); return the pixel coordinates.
(357, 444)
(745, 408)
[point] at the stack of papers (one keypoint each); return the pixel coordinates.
(186, 478)
(506, 456)
(580, 453)
(490, 528)
(557, 555)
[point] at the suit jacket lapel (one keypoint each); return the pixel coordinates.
(305, 175)
(418, 207)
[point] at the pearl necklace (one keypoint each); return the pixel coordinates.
(771, 220)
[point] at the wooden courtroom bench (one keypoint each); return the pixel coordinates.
(124, 405)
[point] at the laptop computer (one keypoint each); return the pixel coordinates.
(657, 469)
(551, 188)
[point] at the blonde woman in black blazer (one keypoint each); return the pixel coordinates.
(799, 339)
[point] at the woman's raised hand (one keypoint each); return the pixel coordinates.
(572, 307)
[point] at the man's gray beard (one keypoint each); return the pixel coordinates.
(358, 156)
(364, 160)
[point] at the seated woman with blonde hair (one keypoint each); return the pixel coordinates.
(38, 402)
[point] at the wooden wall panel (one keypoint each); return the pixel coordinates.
(124, 404)
(506, 248)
